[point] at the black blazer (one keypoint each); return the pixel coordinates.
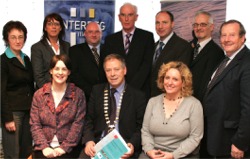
(85, 71)
(138, 59)
(41, 54)
(130, 119)
(17, 86)
(227, 108)
(176, 49)
(203, 67)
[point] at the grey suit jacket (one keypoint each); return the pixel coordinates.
(41, 54)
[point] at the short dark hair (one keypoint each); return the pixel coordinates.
(64, 58)
(51, 17)
(242, 29)
(169, 13)
(13, 25)
(114, 56)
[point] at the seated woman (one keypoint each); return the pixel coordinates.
(57, 114)
(173, 121)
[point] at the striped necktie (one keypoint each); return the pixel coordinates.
(127, 42)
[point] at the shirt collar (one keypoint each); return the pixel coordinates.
(10, 54)
(125, 33)
(165, 41)
(120, 88)
(204, 43)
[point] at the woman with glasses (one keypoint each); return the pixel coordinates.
(17, 87)
(51, 44)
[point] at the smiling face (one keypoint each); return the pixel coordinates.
(16, 40)
(53, 28)
(93, 34)
(115, 72)
(173, 82)
(163, 25)
(202, 28)
(230, 38)
(59, 73)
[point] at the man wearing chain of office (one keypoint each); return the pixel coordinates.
(114, 105)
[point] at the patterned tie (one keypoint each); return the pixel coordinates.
(219, 70)
(113, 105)
(158, 51)
(196, 50)
(96, 55)
(127, 42)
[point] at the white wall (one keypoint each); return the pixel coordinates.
(31, 13)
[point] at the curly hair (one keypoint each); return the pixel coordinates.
(186, 77)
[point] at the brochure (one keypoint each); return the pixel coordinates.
(112, 146)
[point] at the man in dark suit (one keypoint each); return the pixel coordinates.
(85, 61)
(130, 105)
(227, 99)
(170, 47)
(208, 54)
(137, 49)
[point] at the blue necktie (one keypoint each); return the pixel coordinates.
(158, 51)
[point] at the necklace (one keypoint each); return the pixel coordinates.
(106, 108)
(173, 99)
(170, 109)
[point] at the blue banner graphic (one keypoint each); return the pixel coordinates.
(77, 14)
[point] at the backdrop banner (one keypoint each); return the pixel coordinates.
(184, 12)
(78, 13)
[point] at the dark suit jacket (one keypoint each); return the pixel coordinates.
(85, 71)
(41, 54)
(17, 86)
(203, 67)
(176, 49)
(138, 59)
(227, 108)
(130, 119)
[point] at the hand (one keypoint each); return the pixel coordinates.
(48, 152)
(236, 153)
(10, 126)
(166, 155)
(129, 153)
(89, 149)
(155, 154)
(59, 151)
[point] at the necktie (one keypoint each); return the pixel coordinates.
(96, 55)
(113, 105)
(158, 51)
(127, 42)
(219, 70)
(196, 50)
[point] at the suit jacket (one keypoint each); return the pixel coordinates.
(130, 118)
(138, 59)
(227, 108)
(85, 71)
(17, 86)
(41, 54)
(203, 66)
(176, 49)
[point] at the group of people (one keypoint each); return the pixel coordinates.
(168, 99)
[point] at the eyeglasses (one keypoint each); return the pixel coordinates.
(53, 23)
(19, 38)
(203, 25)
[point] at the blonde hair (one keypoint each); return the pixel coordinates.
(186, 77)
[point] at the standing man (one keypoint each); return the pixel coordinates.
(227, 99)
(207, 54)
(135, 45)
(130, 107)
(85, 59)
(169, 47)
